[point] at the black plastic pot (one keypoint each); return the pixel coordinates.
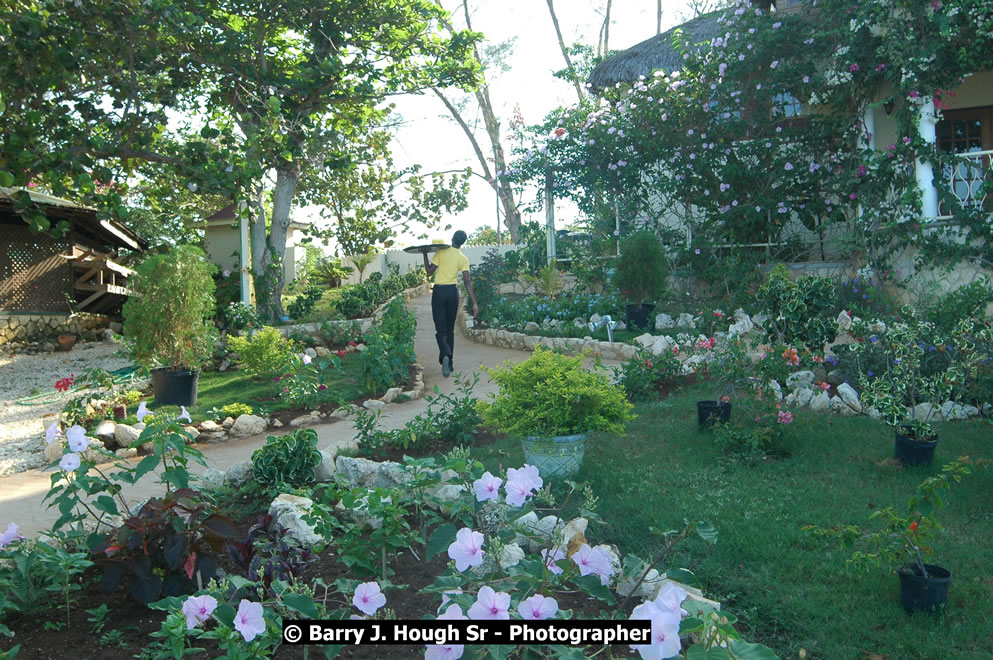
(175, 387)
(910, 451)
(639, 316)
(709, 413)
(923, 594)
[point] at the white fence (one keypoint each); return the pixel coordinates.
(407, 261)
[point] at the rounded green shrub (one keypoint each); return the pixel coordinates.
(642, 272)
(551, 394)
(287, 459)
(265, 355)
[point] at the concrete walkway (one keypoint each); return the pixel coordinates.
(21, 494)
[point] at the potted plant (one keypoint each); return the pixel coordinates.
(917, 369)
(166, 322)
(730, 364)
(641, 275)
(552, 403)
(903, 540)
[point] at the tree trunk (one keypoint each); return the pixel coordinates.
(268, 261)
(565, 53)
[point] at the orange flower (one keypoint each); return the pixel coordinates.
(791, 357)
(913, 527)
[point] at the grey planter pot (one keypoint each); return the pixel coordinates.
(557, 457)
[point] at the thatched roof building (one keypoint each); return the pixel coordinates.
(656, 53)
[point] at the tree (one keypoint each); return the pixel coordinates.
(487, 235)
(512, 216)
(267, 87)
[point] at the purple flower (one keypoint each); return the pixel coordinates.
(467, 549)
(77, 440)
(185, 414)
(306, 359)
(788, 166)
(10, 535)
(665, 632)
(51, 432)
(142, 411)
(487, 487)
(490, 605)
(550, 557)
(670, 598)
(368, 598)
(774, 64)
(537, 608)
(249, 620)
(593, 561)
(197, 609)
(69, 462)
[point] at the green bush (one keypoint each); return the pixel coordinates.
(389, 348)
(288, 460)
(357, 301)
(642, 375)
(166, 322)
(799, 312)
(965, 302)
(265, 354)
(550, 394)
(236, 409)
(304, 304)
(642, 272)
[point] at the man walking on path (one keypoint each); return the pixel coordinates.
(446, 266)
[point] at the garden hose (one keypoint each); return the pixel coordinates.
(118, 377)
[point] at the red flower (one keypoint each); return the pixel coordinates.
(63, 384)
(718, 315)
(560, 131)
(322, 387)
(913, 527)
(341, 353)
(352, 344)
(648, 364)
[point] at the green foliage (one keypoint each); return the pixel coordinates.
(642, 271)
(798, 311)
(311, 384)
(642, 375)
(239, 316)
(550, 394)
(389, 348)
(451, 419)
(487, 276)
(964, 303)
(33, 572)
(514, 313)
(265, 355)
(328, 272)
(548, 280)
(236, 409)
(287, 460)
(165, 323)
(340, 334)
(304, 303)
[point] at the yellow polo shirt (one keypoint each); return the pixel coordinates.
(450, 263)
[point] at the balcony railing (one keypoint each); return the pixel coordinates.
(967, 179)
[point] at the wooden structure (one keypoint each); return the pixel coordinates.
(40, 273)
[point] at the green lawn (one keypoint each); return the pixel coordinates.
(792, 592)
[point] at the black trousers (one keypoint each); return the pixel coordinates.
(444, 309)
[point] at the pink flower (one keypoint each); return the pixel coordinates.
(444, 652)
(184, 414)
(593, 561)
(788, 166)
(69, 462)
(77, 440)
(453, 613)
(852, 196)
(670, 599)
(467, 549)
(322, 387)
(306, 359)
(487, 487)
(368, 598)
(550, 557)
(518, 491)
(537, 608)
(785, 417)
(490, 605)
(10, 535)
(249, 620)
(665, 632)
(197, 609)
(142, 411)
(51, 432)
(853, 68)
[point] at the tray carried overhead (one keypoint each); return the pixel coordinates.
(426, 248)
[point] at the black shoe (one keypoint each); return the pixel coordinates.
(446, 366)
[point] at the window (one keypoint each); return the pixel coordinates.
(969, 133)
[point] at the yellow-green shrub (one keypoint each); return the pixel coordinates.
(265, 355)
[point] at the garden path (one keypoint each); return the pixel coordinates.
(21, 494)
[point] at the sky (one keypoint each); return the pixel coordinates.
(429, 138)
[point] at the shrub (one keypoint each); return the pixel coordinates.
(306, 384)
(799, 312)
(304, 304)
(265, 355)
(287, 460)
(641, 376)
(389, 348)
(238, 316)
(357, 301)
(165, 323)
(236, 409)
(642, 271)
(965, 302)
(550, 394)
(340, 334)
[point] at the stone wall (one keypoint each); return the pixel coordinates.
(17, 329)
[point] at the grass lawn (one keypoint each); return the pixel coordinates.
(219, 388)
(794, 592)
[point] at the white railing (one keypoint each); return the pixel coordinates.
(967, 178)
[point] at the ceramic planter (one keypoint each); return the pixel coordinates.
(66, 342)
(556, 457)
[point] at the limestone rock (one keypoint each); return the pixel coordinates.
(952, 410)
(615, 559)
(124, 435)
(800, 379)
(392, 394)
(685, 321)
(356, 471)
(835, 377)
(248, 425)
(344, 412)
(288, 510)
(105, 430)
(310, 352)
(276, 424)
(53, 452)
(306, 420)
(927, 412)
(850, 397)
(238, 474)
(740, 328)
(844, 321)
(776, 389)
(662, 344)
(820, 402)
(228, 422)
(645, 340)
(126, 452)
(390, 475)
(213, 436)
(210, 426)
(664, 321)
(648, 589)
(192, 430)
(531, 326)
(212, 477)
(373, 404)
(322, 351)
(511, 555)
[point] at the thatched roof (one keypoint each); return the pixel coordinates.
(656, 53)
